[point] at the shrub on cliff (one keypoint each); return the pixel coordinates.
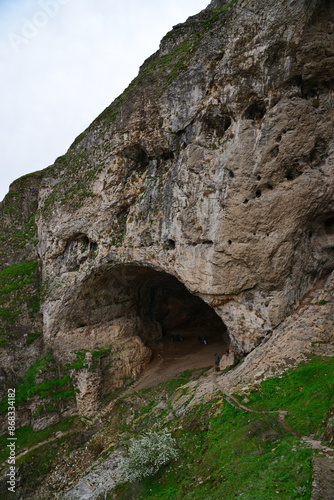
(146, 455)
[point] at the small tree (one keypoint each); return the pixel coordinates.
(147, 455)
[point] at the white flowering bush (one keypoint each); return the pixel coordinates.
(146, 455)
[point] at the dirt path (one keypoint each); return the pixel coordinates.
(281, 413)
(58, 435)
(169, 360)
(283, 423)
(230, 398)
(172, 358)
(323, 466)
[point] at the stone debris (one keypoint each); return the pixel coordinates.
(101, 479)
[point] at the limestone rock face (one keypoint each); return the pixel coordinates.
(309, 330)
(210, 179)
(227, 360)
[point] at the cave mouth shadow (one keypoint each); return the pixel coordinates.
(166, 305)
(151, 305)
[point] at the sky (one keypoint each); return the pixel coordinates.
(62, 62)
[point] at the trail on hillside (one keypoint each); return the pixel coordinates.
(58, 435)
(173, 358)
(281, 414)
(323, 467)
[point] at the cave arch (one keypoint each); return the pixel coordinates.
(120, 322)
(153, 305)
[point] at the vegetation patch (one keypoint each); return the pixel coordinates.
(32, 337)
(226, 452)
(27, 437)
(15, 291)
(79, 362)
(322, 302)
(147, 455)
(33, 466)
(306, 393)
(57, 388)
(25, 235)
(215, 450)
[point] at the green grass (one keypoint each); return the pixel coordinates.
(233, 454)
(224, 452)
(322, 302)
(27, 437)
(228, 453)
(24, 268)
(36, 464)
(56, 389)
(79, 362)
(224, 462)
(101, 352)
(182, 379)
(306, 393)
(25, 235)
(32, 337)
(15, 282)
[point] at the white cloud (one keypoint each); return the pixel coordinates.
(62, 62)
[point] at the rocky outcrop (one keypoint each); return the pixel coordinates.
(309, 330)
(206, 186)
(20, 319)
(227, 360)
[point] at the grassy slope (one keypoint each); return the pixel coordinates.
(224, 452)
(15, 293)
(229, 453)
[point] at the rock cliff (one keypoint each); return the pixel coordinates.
(203, 193)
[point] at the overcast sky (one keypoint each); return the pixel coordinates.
(62, 62)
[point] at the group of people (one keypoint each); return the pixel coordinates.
(177, 338)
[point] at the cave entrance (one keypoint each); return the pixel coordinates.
(137, 311)
(164, 299)
(182, 330)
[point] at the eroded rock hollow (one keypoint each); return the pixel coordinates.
(127, 311)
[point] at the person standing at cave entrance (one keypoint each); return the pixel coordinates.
(205, 340)
(199, 338)
(217, 359)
